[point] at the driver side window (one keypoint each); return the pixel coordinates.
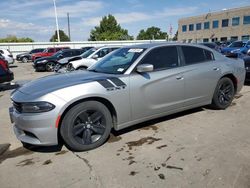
(162, 58)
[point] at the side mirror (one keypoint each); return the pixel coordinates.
(95, 56)
(144, 68)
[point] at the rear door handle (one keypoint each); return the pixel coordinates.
(216, 69)
(179, 78)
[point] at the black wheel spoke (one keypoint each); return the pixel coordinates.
(99, 129)
(78, 129)
(96, 116)
(83, 117)
(86, 136)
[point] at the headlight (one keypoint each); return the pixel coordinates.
(33, 107)
(43, 61)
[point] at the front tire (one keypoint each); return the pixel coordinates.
(50, 66)
(223, 94)
(24, 60)
(86, 126)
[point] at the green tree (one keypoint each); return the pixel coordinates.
(175, 38)
(109, 29)
(13, 38)
(63, 37)
(151, 33)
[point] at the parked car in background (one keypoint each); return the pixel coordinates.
(211, 45)
(247, 66)
(48, 63)
(236, 48)
(84, 63)
(7, 55)
(129, 86)
(47, 52)
(62, 63)
(25, 57)
(5, 74)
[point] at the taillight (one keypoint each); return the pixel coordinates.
(4, 64)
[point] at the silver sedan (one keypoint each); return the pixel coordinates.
(131, 85)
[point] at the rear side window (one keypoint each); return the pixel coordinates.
(162, 58)
(194, 55)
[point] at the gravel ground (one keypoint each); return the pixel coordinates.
(196, 148)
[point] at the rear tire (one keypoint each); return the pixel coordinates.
(223, 94)
(86, 126)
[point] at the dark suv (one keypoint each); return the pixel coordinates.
(25, 57)
(48, 63)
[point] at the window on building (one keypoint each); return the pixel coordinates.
(234, 38)
(235, 21)
(245, 37)
(162, 58)
(223, 39)
(198, 26)
(246, 20)
(225, 22)
(215, 24)
(191, 27)
(206, 25)
(184, 28)
(201, 55)
(205, 40)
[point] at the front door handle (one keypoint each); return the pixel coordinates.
(179, 78)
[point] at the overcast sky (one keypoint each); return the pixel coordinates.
(35, 18)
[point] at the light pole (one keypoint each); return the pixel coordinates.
(57, 28)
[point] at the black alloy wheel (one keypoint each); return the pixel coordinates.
(224, 93)
(50, 66)
(86, 126)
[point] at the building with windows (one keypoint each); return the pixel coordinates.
(230, 24)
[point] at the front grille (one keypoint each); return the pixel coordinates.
(17, 106)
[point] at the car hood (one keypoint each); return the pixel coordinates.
(55, 82)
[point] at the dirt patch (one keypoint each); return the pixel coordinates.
(162, 146)
(161, 176)
(132, 173)
(15, 153)
(61, 152)
(47, 162)
(146, 140)
(26, 162)
(114, 138)
(152, 127)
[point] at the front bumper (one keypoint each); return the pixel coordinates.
(39, 66)
(35, 129)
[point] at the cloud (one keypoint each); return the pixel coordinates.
(131, 17)
(75, 9)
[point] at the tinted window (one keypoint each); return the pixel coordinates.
(206, 25)
(246, 20)
(224, 23)
(215, 24)
(162, 58)
(67, 54)
(236, 21)
(51, 50)
(194, 55)
(198, 26)
(103, 52)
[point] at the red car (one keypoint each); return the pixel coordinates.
(5, 74)
(47, 52)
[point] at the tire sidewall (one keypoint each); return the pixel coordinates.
(23, 60)
(67, 125)
(215, 100)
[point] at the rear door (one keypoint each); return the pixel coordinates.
(201, 75)
(158, 91)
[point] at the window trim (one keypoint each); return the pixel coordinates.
(244, 22)
(238, 19)
(199, 25)
(208, 25)
(215, 21)
(183, 56)
(225, 20)
(157, 47)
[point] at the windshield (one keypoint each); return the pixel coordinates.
(238, 44)
(88, 53)
(118, 61)
(57, 54)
